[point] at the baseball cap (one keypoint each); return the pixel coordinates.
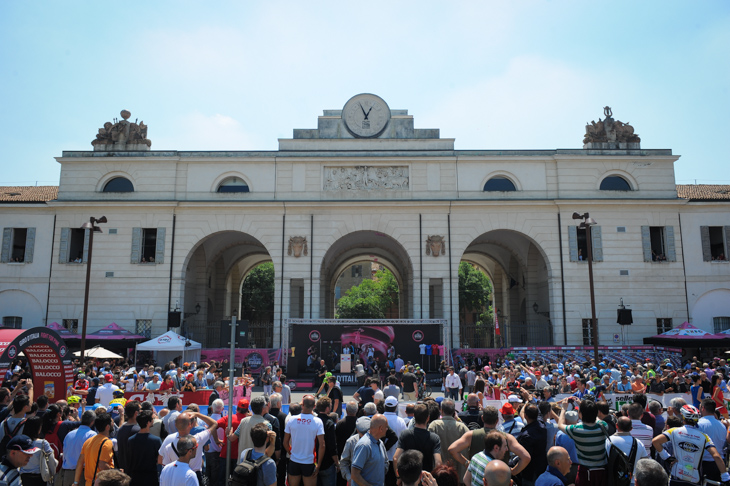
(108, 378)
(514, 399)
(507, 409)
(571, 417)
(391, 402)
(21, 443)
(243, 403)
(363, 424)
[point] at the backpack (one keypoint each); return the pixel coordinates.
(247, 472)
(621, 467)
(9, 435)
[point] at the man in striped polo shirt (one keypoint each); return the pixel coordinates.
(590, 443)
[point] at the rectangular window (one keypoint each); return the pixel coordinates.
(71, 324)
(13, 322)
(76, 245)
(356, 271)
(717, 243)
(149, 245)
(588, 332)
(578, 244)
(656, 235)
(17, 245)
(658, 244)
(663, 325)
(582, 244)
(18, 251)
(721, 324)
(143, 327)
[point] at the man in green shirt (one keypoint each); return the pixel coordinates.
(590, 439)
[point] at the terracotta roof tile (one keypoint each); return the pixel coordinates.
(20, 194)
(704, 192)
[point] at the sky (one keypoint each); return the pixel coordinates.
(240, 75)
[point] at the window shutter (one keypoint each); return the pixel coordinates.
(706, 251)
(136, 244)
(160, 248)
(7, 241)
(63, 246)
(646, 243)
(597, 240)
(573, 243)
(85, 257)
(671, 249)
(29, 245)
(727, 235)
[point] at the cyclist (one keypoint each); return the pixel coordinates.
(689, 443)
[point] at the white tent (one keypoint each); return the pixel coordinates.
(100, 353)
(171, 345)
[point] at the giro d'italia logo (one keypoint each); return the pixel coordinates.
(62, 351)
(418, 336)
(254, 361)
(314, 336)
(12, 352)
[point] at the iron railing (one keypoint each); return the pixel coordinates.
(528, 333)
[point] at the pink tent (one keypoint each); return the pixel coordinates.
(113, 331)
(62, 331)
(685, 335)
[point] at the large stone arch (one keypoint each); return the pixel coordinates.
(366, 245)
(520, 273)
(19, 303)
(711, 304)
(213, 272)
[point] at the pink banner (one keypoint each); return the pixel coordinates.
(254, 359)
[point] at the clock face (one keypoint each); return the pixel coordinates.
(366, 115)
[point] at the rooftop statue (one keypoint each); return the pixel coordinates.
(613, 133)
(122, 135)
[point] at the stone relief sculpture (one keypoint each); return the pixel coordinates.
(122, 135)
(613, 133)
(365, 178)
(435, 245)
(296, 245)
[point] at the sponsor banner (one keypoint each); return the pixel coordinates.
(616, 400)
(254, 359)
(199, 397)
(47, 354)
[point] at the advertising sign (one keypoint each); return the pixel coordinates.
(255, 359)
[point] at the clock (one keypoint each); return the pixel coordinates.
(366, 115)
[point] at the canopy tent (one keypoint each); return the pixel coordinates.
(688, 336)
(99, 353)
(113, 331)
(171, 345)
(62, 331)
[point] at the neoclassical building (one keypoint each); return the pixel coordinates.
(185, 228)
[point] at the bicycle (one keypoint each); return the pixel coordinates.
(424, 391)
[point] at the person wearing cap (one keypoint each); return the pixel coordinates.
(624, 386)
(241, 413)
(18, 452)
(105, 393)
(397, 425)
(189, 386)
(242, 435)
(449, 429)
(511, 424)
(362, 426)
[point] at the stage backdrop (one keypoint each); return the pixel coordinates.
(255, 359)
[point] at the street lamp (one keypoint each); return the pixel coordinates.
(586, 225)
(92, 229)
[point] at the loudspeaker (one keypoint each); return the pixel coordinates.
(173, 320)
(241, 334)
(623, 317)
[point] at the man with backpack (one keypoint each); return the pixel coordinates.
(630, 446)
(13, 425)
(256, 468)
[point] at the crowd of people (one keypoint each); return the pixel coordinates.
(518, 424)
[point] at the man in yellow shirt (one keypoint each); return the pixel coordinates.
(97, 452)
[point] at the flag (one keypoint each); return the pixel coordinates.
(496, 325)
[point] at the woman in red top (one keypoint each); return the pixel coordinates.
(168, 384)
(718, 396)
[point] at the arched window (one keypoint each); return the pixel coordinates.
(499, 183)
(118, 184)
(233, 184)
(615, 183)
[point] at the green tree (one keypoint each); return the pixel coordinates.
(257, 293)
(475, 291)
(371, 299)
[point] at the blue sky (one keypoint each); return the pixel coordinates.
(239, 75)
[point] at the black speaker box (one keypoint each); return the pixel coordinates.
(624, 317)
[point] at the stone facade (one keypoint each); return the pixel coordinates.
(383, 197)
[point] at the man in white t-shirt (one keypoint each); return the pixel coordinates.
(168, 452)
(105, 393)
(299, 434)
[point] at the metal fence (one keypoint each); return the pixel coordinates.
(260, 333)
(511, 334)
